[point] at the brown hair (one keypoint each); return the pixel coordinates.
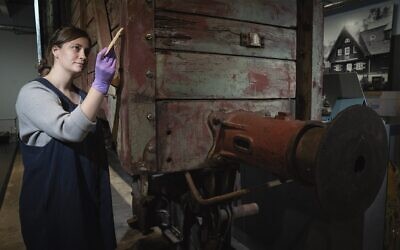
(42, 67)
(59, 37)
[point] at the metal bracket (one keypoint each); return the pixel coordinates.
(251, 40)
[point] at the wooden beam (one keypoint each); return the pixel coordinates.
(102, 27)
(309, 59)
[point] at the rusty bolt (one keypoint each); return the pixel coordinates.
(149, 36)
(150, 117)
(149, 74)
(151, 149)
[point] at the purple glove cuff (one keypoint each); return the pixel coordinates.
(100, 86)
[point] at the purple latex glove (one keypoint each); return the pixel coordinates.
(104, 70)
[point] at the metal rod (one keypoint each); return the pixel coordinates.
(216, 199)
(38, 37)
(225, 197)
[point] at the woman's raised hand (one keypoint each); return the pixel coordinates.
(104, 70)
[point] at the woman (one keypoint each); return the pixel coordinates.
(65, 200)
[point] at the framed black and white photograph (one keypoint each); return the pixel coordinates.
(359, 41)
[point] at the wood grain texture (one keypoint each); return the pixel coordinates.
(272, 12)
(92, 31)
(138, 88)
(309, 60)
(113, 10)
(205, 76)
(213, 35)
(75, 14)
(103, 30)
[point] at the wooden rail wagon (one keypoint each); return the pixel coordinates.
(180, 60)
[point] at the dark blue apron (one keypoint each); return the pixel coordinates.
(65, 201)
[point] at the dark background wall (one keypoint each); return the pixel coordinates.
(18, 55)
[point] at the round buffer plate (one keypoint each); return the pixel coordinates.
(351, 162)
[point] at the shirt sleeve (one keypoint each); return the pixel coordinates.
(39, 109)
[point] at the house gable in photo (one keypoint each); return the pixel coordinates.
(359, 41)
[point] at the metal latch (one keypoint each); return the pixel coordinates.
(252, 40)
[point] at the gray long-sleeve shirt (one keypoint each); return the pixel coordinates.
(41, 117)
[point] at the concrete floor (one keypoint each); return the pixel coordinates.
(7, 154)
(10, 234)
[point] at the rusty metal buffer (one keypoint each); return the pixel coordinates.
(345, 159)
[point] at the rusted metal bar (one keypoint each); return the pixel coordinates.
(216, 199)
(225, 197)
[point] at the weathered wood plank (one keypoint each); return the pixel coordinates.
(75, 14)
(92, 58)
(309, 61)
(141, 132)
(183, 135)
(317, 60)
(204, 76)
(113, 9)
(92, 32)
(75, 23)
(102, 27)
(74, 5)
(211, 35)
(89, 13)
(273, 12)
(90, 78)
(138, 89)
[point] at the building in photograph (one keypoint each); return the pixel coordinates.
(365, 52)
